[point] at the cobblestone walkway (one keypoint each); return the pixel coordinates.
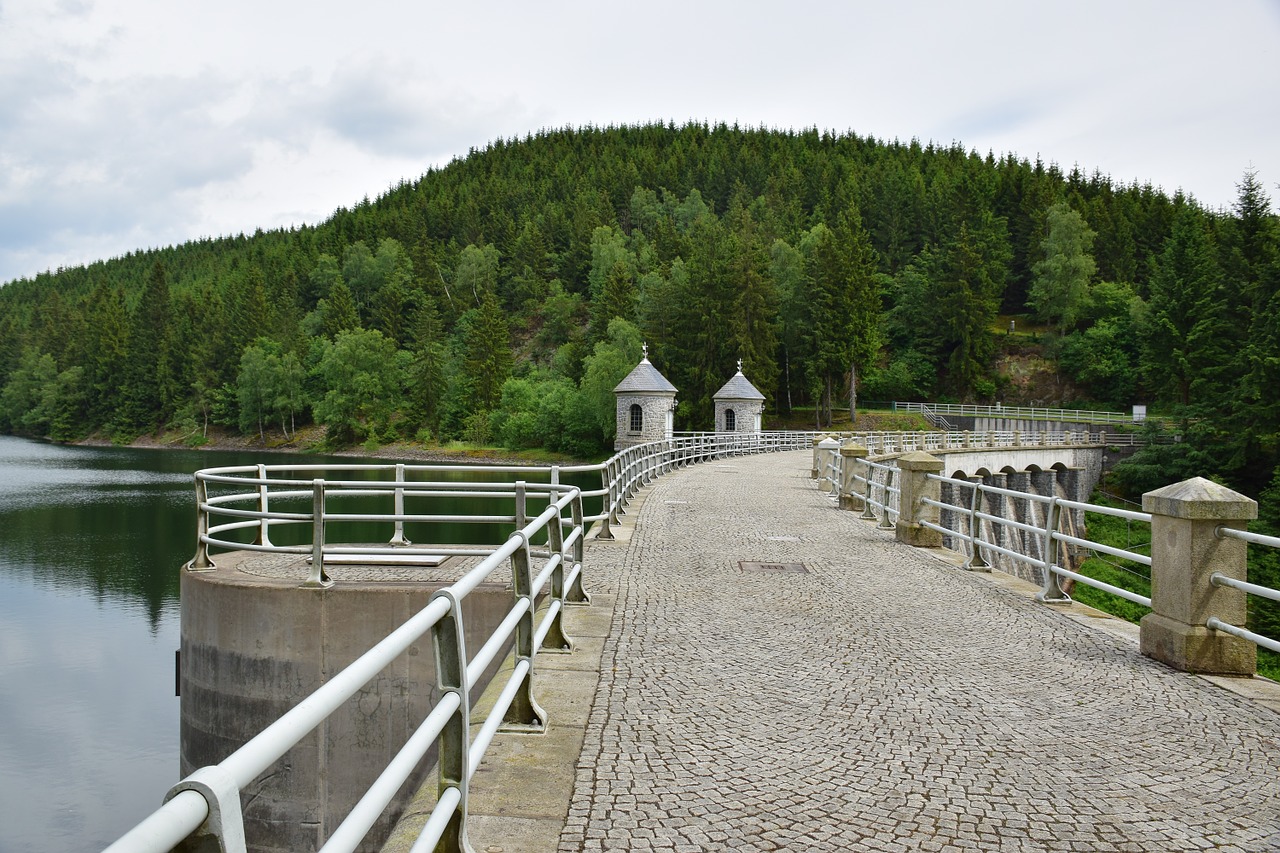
(883, 700)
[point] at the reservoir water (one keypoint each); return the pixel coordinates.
(91, 541)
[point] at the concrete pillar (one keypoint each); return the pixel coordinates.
(851, 464)
(914, 486)
(1185, 553)
(254, 646)
(817, 439)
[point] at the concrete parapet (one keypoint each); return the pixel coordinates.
(914, 486)
(1185, 553)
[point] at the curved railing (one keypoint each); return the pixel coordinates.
(257, 507)
(208, 801)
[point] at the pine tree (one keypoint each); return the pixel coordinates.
(1181, 334)
(150, 384)
(488, 353)
(1060, 288)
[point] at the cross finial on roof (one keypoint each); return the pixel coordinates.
(644, 348)
(739, 365)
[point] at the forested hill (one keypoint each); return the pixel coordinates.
(482, 301)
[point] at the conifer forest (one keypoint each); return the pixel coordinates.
(498, 300)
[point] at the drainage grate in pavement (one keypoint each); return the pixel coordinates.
(776, 568)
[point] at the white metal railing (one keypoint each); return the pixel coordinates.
(989, 526)
(880, 480)
(1026, 413)
(209, 799)
(630, 469)
(982, 530)
(1219, 579)
(242, 507)
(828, 463)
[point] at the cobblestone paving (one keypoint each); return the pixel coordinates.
(883, 701)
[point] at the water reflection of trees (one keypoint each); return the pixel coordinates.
(119, 524)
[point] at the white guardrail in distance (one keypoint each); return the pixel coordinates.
(1027, 413)
(544, 552)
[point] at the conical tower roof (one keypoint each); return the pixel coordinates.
(738, 388)
(644, 378)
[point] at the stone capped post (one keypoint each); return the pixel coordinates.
(913, 487)
(817, 440)
(1185, 553)
(852, 463)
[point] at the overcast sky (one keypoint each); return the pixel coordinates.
(130, 124)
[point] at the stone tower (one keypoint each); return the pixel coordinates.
(646, 406)
(739, 406)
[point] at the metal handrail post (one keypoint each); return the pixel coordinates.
(575, 593)
(398, 537)
(555, 640)
(448, 640)
(318, 579)
(522, 507)
(524, 714)
(975, 563)
(264, 534)
(885, 523)
(607, 516)
(1052, 592)
(869, 477)
(201, 562)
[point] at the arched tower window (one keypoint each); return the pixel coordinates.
(637, 418)
(730, 420)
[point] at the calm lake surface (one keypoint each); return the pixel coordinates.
(91, 541)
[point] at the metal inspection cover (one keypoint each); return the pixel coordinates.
(776, 568)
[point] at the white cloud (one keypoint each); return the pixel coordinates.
(127, 124)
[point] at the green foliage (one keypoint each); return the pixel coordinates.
(908, 376)
(1163, 460)
(1182, 334)
(609, 363)
(1264, 569)
(1104, 358)
(1125, 574)
(710, 239)
(1060, 288)
(365, 378)
(270, 385)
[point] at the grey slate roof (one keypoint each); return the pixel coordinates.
(738, 388)
(644, 377)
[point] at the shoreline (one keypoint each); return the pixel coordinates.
(307, 440)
